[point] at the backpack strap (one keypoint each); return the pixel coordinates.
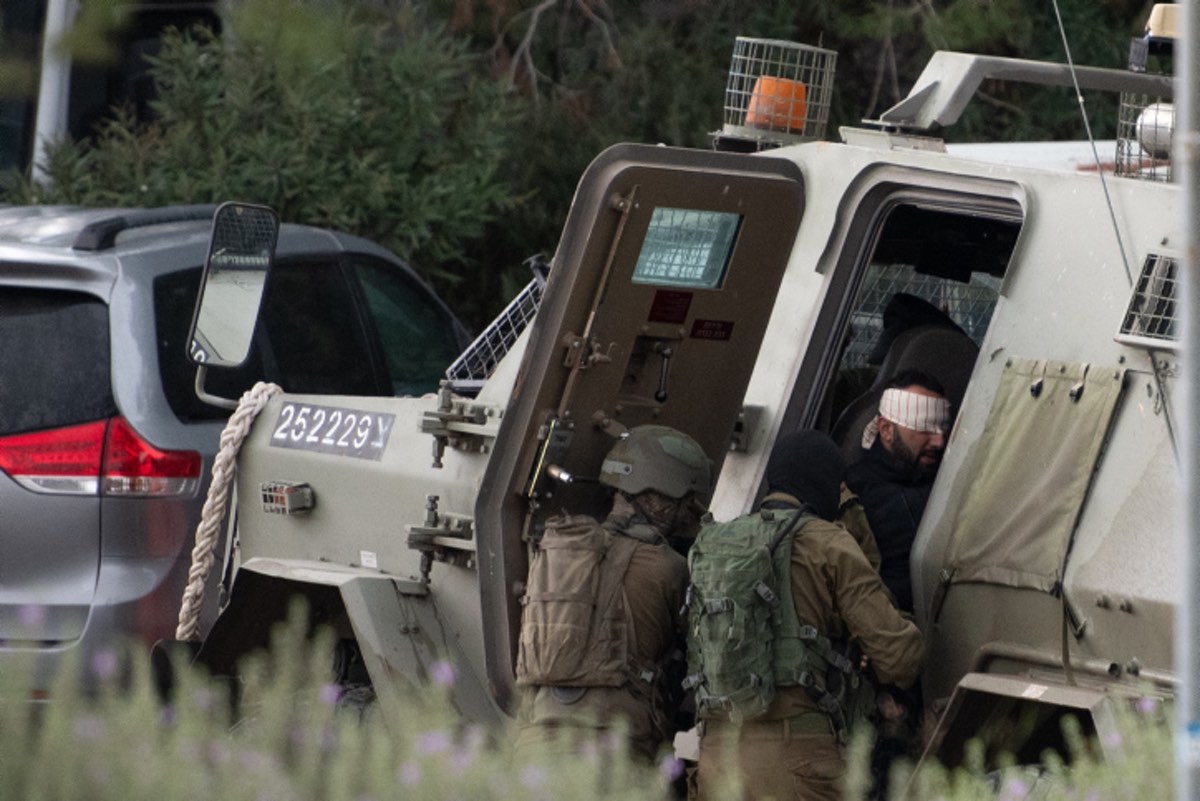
(816, 683)
(839, 671)
(802, 516)
(615, 566)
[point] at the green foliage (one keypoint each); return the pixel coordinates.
(1135, 760)
(595, 74)
(291, 743)
(90, 39)
(455, 131)
(291, 740)
(378, 126)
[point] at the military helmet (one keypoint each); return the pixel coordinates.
(657, 458)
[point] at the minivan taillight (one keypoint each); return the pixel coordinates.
(106, 457)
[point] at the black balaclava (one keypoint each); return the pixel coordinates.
(810, 466)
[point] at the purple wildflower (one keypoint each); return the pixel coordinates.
(104, 663)
(670, 768)
(434, 742)
(330, 693)
(443, 673)
(1147, 705)
(203, 699)
(1013, 790)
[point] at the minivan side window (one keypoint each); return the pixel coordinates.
(56, 347)
(419, 338)
(310, 339)
(315, 332)
(359, 328)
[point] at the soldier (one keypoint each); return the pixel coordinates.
(793, 750)
(904, 445)
(621, 582)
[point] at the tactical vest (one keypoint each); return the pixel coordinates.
(744, 637)
(575, 625)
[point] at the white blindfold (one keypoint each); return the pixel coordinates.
(910, 410)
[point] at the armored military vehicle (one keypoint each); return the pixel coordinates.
(740, 295)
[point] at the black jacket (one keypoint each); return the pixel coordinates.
(894, 497)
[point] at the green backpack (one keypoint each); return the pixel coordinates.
(744, 637)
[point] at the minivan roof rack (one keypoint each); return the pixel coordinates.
(101, 234)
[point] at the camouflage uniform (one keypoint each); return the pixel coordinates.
(557, 722)
(657, 473)
(853, 516)
(793, 751)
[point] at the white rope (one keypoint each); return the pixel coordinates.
(208, 532)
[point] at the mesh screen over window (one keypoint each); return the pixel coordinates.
(687, 247)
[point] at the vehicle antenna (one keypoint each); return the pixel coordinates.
(1154, 360)
(1092, 141)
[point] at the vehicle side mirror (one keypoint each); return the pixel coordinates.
(240, 251)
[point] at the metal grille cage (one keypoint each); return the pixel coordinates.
(969, 305)
(1145, 124)
(687, 247)
(778, 94)
(472, 368)
(1152, 317)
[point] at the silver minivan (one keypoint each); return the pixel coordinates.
(105, 448)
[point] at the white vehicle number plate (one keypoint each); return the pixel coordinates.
(329, 429)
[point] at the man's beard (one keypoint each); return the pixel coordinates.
(912, 460)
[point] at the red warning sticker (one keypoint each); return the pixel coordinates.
(670, 306)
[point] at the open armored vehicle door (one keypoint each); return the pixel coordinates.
(660, 293)
(654, 311)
